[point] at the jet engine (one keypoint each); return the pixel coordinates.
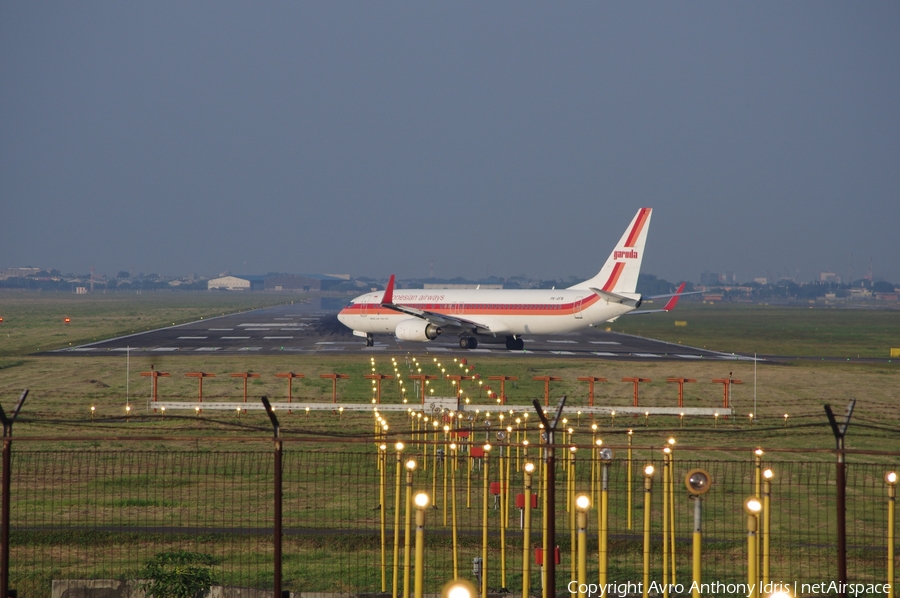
(416, 330)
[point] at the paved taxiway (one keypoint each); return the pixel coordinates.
(301, 329)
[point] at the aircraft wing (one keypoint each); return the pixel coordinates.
(441, 320)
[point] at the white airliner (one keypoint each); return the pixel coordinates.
(505, 315)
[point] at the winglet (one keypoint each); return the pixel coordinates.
(389, 292)
(674, 300)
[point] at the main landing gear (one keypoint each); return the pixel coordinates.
(370, 340)
(514, 344)
(468, 342)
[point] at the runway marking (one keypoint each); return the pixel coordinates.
(235, 338)
(646, 355)
(481, 350)
(690, 356)
(282, 318)
(327, 343)
(261, 325)
(219, 329)
(438, 349)
(562, 352)
(565, 342)
(257, 329)
(272, 338)
(605, 354)
(208, 349)
(191, 338)
(165, 349)
(82, 349)
(250, 349)
(605, 342)
(375, 348)
(332, 348)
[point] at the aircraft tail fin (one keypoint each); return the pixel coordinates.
(620, 272)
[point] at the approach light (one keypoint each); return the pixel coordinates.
(421, 500)
(752, 506)
(582, 502)
(698, 481)
(459, 588)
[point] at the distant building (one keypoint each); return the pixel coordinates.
(18, 272)
(829, 277)
(236, 283)
(293, 283)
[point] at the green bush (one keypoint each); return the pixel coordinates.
(179, 574)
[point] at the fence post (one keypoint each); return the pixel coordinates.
(7, 483)
(550, 498)
(278, 500)
(840, 430)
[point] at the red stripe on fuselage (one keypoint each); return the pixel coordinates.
(614, 277)
(638, 226)
(490, 309)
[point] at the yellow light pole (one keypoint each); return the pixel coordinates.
(649, 470)
(382, 507)
(671, 443)
(434, 460)
(606, 455)
(582, 506)
(593, 461)
(767, 475)
(501, 436)
(518, 439)
(526, 536)
(484, 523)
(698, 482)
(507, 478)
(410, 468)
(395, 580)
(628, 476)
(570, 496)
(421, 501)
(453, 518)
(891, 479)
(665, 522)
(446, 461)
(752, 506)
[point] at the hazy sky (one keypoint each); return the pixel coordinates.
(496, 138)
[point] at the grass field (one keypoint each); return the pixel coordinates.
(34, 321)
(64, 388)
(774, 330)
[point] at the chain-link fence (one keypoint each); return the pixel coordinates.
(96, 513)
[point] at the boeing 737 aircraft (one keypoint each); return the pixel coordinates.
(505, 315)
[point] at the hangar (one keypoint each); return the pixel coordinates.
(236, 283)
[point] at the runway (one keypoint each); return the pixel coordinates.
(302, 329)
